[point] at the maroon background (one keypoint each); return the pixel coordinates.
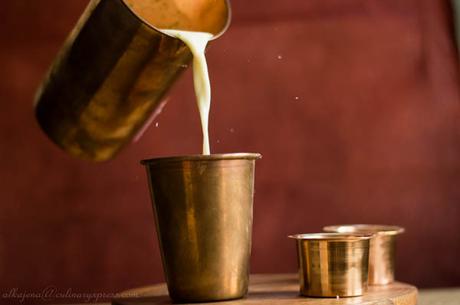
(373, 137)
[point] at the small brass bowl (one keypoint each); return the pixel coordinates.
(382, 249)
(333, 264)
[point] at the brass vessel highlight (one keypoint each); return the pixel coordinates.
(111, 76)
(332, 264)
(203, 211)
(382, 249)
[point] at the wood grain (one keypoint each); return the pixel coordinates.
(280, 289)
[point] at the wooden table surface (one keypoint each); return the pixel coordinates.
(439, 296)
(444, 296)
(281, 289)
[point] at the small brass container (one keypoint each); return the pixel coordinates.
(110, 78)
(332, 264)
(203, 212)
(382, 249)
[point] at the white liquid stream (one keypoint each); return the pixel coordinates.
(197, 42)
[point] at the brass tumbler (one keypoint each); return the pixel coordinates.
(382, 249)
(203, 212)
(110, 78)
(332, 264)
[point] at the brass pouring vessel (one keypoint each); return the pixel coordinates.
(332, 264)
(382, 249)
(110, 78)
(203, 208)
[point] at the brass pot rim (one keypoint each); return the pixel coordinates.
(212, 157)
(332, 236)
(224, 29)
(375, 229)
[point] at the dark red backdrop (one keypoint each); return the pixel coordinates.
(354, 104)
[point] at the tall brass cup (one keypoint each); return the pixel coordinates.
(332, 264)
(203, 212)
(382, 249)
(110, 78)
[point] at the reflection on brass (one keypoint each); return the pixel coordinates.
(203, 212)
(189, 15)
(333, 264)
(114, 70)
(382, 249)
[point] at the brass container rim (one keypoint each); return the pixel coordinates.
(213, 157)
(224, 29)
(345, 237)
(380, 230)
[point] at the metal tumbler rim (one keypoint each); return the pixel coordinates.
(332, 236)
(387, 230)
(213, 157)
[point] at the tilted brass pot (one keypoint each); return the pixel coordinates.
(111, 76)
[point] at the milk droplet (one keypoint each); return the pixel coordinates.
(280, 56)
(296, 98)
(157, 124)
(232, 130)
